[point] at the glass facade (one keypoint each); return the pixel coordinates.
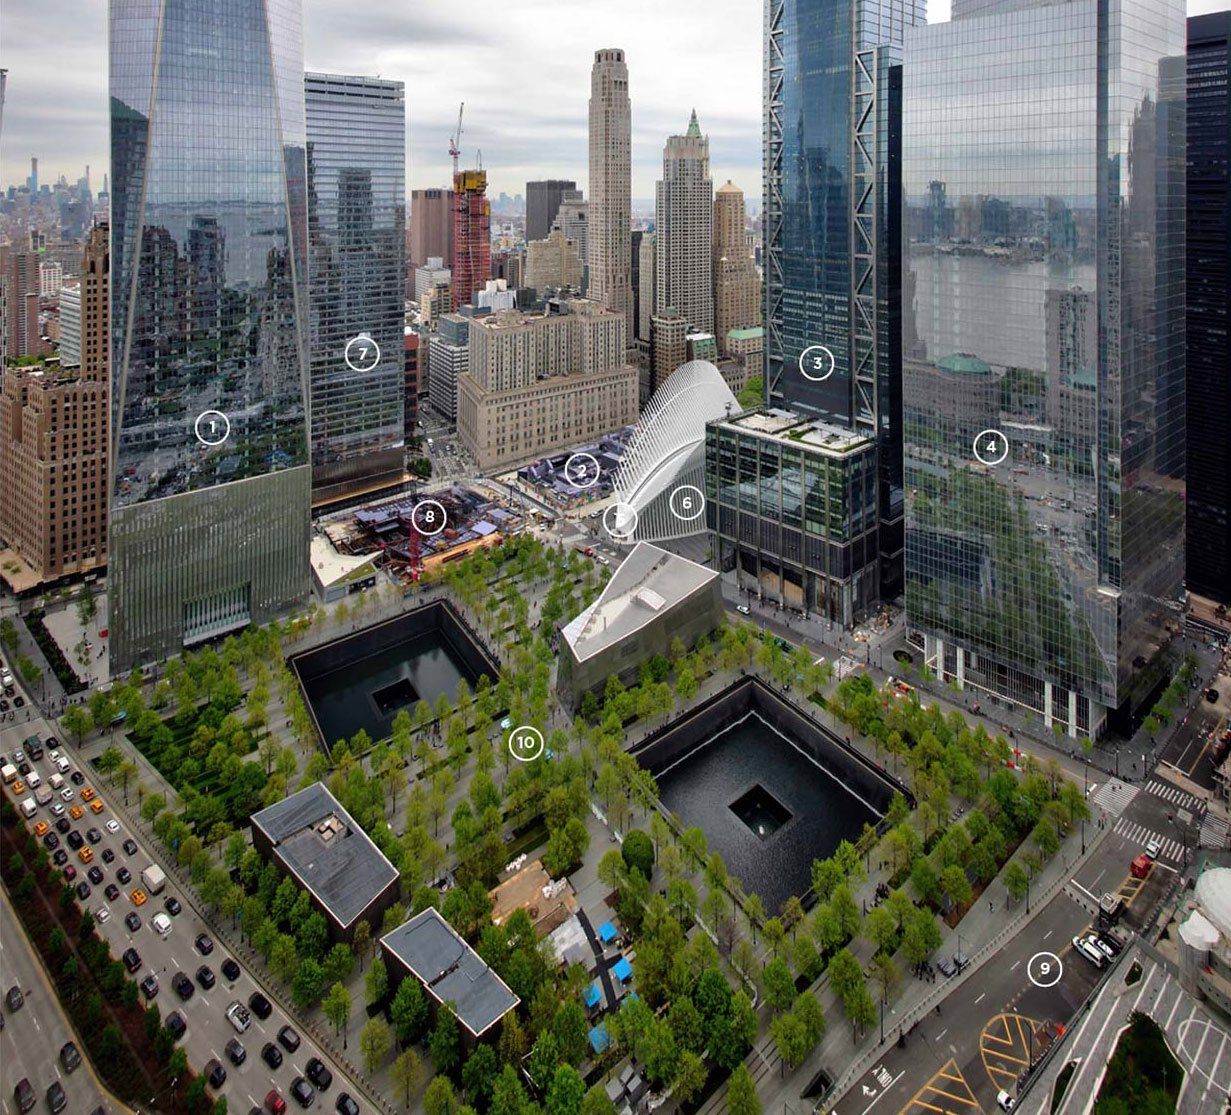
(357, 266)
(210, 453)
(1043, 298)
(832, 241)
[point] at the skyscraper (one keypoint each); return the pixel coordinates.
(611, 184)
(684, 217)
(1209, 307)
(472, 235)
(210, 504)
(832, 245)
(542, 204)
(431, 225)
(1043, 346)
(357, 269)
(737, 289)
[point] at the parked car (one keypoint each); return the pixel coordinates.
(23, 1093)
(236, 1052)
(1088, 950)
(183, 986)
(56, 1099)
(271, 1055)
(204, 943)
(176, 1024)
(1004, 1101)
(130, 847)
(259, 1005)
(238, 1016)
(111, 891)
(318, 1072)
(132, 919)
(14, 999)
(173, 906)
(230, 970)
(215, 1073)
(70, 1059)
(288, 1039)
(274, 1103)
(123, 876)
(149, 986)
(346, 1105)
(302, 1091)
(161, 924)
(95, 874)
(205, 977)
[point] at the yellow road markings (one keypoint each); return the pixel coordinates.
(1004, 1047)
(947, 1092)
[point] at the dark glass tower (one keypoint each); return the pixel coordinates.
(832, 255)
(1043, 299)
(210, 500)
(542, 204)
(1209, 307)
(357, 266)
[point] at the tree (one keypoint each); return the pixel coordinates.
(409, 1012)
(742, 1093)
(597, 1102)
(374, 1043)
(920, 937)
(440, 1098)
(336, 1007)
(362, 940)
(569, 1027)
(338, 963)
(778, 985)
(638, 853)
(445, 1044)
(479, 1075)
(308, 984)
(690, 1075)
(407, 1071)
(1016, 882)
(566, 1092)
(77, 721)
(508, 1095)
(283, 959)
(376, 982)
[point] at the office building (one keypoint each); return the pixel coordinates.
(448, 356)
(611, 185)
(313, 839)
(509, 266)
(54, 433)
(832, 244)
(553, 263)
(683, 231)
(737, 287)
(1044, 337)
(542, 204)
(792, 503)
(653, 598)
(429, 274)
(212, 481)
(70, 325)
(572, 219)
(19, 293)
(356, 269)
(1208, 308)
(435, 302)
(431, 225)
(668, 346)
(410, 357)
(472, 235)
(542, 381)
(647, 268)
(50, 279)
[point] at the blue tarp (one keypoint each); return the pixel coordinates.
(593, 996)
(599, 1039)
(607, 933)
(623, 970)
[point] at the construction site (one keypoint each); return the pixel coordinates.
(389, 534)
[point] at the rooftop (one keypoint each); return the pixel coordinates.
(451, 970)
(648, 581)
(324, 848)
(786, 425)
(547, 902)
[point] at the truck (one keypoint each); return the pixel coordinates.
(154, 879)
(1140, 867)
(1110, 907)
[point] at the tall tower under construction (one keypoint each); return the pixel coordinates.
(472, 242)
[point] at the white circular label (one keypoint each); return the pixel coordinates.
(212, 427)
(620, 521)
(362, 354)
(687, 502)
(817, 363)
(429, 518)
(991, 447)
(526, 743)
(581, 470)
(1044, 969)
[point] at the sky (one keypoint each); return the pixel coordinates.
(521, 66)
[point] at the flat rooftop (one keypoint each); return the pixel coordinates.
(649, 581)
(548, 902)
(789, 427)
(327, 851)
(451, 970)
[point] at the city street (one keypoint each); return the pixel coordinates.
(34, 1034)
(208, 1028)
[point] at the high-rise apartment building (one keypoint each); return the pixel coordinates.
(573, 218)
(543, 381)
(211, 474)
(448, 356)
(646, 249)
(683, 232)
(54, 432)
(611, 184)
(356, 271)
(429, 274)
(542, 204)
(553, 263)
(832, 245)
(1208, 307)
(70, 325)
(472, 235)
(737, 288)
(431, 225)
(1044, 346)
(19, 293)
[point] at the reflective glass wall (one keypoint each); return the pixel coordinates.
(1042, 346)
(357, 265)
(208, 346)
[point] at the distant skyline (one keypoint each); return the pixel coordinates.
(524, 73)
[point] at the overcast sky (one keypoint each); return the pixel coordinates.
(521, 66)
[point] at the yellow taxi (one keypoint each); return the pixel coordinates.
(18, 787)
(76, 812)
(40, 828)
(138, 897)
(87, 793)
(96, 806)
(86, 854)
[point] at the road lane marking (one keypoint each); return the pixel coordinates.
(1015, 964)
(883, 1092)
(1050, 931)
(982, 996)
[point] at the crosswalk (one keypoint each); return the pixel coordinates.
(1169, 848)
(1175, 796)
(1114, 796)
(1213, 832)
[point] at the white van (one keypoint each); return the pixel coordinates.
(33, 780)
(9, 773)
(28, 808)
(42, 795)
(1083, 946)
(56, 782)
(62, 764)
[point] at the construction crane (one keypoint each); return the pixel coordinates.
(455, 141)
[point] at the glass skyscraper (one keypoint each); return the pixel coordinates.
(357, 268)
(832, 246)
(1043, 348)
(211, 480)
